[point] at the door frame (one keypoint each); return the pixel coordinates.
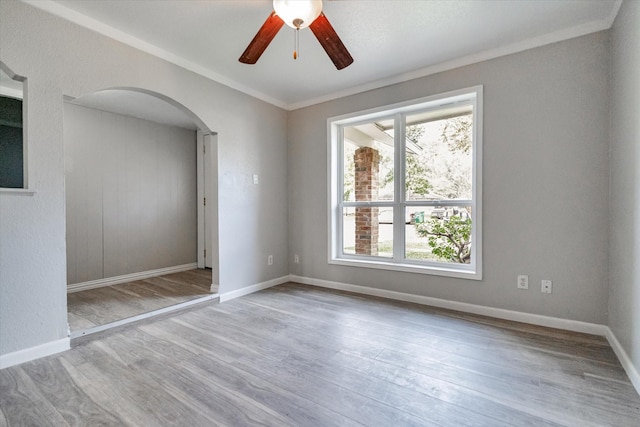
(207, 159)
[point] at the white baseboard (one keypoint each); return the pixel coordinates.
(624, 358)
(31, 353)
(253, 288)
(22, 356)
(534, 319)
(109, 281)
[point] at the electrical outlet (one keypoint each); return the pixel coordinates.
(296, 259)
(256, 179)
(547, 285)
(270, 260)
(523, 281)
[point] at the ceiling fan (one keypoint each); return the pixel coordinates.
(298, 14)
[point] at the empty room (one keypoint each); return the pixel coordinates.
(319, 213)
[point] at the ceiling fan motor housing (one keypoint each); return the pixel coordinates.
(298, 13)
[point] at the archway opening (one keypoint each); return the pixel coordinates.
(137, 180)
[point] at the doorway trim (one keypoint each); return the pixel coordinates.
(207, 159)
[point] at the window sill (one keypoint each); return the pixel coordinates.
(410, 268)
(18, 191)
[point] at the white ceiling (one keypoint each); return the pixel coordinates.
(390, 41)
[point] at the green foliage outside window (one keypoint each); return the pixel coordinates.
(449, 238)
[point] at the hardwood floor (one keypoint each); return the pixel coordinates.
(100, 306)
(295, 355)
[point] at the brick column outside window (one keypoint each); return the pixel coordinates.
(367, 165)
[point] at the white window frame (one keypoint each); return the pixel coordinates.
(335, 126)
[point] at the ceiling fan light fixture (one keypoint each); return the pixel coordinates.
(298, 13)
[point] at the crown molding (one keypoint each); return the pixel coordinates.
(118, 35)
(113, 33)
(546, 39)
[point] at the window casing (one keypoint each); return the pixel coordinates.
(404, 176)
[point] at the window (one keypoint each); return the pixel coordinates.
(12, 147)
(405, 186)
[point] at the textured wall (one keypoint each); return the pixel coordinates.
(545, 182)
(59, 58)
(624, 205)
(131, 200)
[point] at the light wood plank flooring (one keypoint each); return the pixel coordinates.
(295, 355)
(100, 306)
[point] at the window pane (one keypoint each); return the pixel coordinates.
(368, 162)
(11, 146)
(12, 152)
(367, 231)
(441, 234)
(439, 157)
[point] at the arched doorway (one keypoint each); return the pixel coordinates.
(141, 208)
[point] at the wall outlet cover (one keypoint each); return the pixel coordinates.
(523, 281)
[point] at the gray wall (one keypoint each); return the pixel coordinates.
(545, 171)
(546, 175)
(624, 205)
(59, 58)
(131, 199)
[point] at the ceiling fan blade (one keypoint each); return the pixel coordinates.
(330, 41)
(265, 34)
